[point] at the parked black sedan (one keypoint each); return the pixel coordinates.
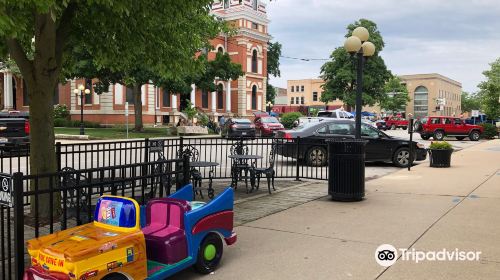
(235, 128)
(313, 149)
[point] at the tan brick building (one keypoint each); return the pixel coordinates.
(426, 89)
(307, 92)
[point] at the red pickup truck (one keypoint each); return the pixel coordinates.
(439, 127)
(396, 122)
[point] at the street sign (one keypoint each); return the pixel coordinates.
(6, 190)
(475, 113)
(156, 146)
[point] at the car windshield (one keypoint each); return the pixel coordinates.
(243, 121)
(270, 120)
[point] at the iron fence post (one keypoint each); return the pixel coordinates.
(58, 155)
(297, 153)
(181, 146)
(185, 170)
(146, 150)
(410, 131)
(18, 225)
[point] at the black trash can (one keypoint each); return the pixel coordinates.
(346, 173)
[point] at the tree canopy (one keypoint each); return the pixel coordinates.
(490, 91)
(130, 37)
(396, 96)
(339, 74)
(470, 101)
(273, 68)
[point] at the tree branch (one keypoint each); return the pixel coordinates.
(64, 29)
(19, 55)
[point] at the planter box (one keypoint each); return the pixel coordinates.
(440, 158)
(192, 130)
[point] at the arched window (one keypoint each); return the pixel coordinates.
(166, 98)
(220, 50)
(220, 97)
(421, 102)
(254, 61)
(254, 97)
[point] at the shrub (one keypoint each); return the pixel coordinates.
(203, 119)
(61, 112)
(442, 145)
(59, 122)
(490, 131)
(288, 119)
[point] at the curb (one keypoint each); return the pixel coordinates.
(72, 137)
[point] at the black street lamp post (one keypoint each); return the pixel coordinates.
(349, 154)
(81, 90)
(358, 45)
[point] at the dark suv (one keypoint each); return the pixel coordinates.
(440, 127)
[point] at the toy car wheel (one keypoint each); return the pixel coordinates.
(209, 254)
(393, 127)
(425, 137)
(316, 156)
(115, 276)
(438, 135)
(474, 135)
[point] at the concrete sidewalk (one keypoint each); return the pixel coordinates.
(425, 209)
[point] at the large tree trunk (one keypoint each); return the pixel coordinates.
(42, 150)
(41, 75)
(136, 89)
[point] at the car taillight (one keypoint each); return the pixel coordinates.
(287, 136)
(27, 127)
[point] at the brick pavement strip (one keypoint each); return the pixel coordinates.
(253, 208)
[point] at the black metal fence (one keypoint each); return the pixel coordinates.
(111, 153)
(69, 200)
(141, 169)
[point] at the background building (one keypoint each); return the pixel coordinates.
(307, 92)
(247, 47)
(425, 89)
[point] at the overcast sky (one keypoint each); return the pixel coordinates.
(455, 38)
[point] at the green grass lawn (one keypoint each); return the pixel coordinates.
(115, 133)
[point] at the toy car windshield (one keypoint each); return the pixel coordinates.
(115, 211)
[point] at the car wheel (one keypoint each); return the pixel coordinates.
(209, 254)
(405, 127)
(401, 157)
(460, 138)
(425, 137)
(393, 127)
(316, 156)
(438, 135)
(474, 135)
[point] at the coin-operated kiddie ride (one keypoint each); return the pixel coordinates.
(128, 241)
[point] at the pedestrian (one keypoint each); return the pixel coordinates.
(222, 121)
